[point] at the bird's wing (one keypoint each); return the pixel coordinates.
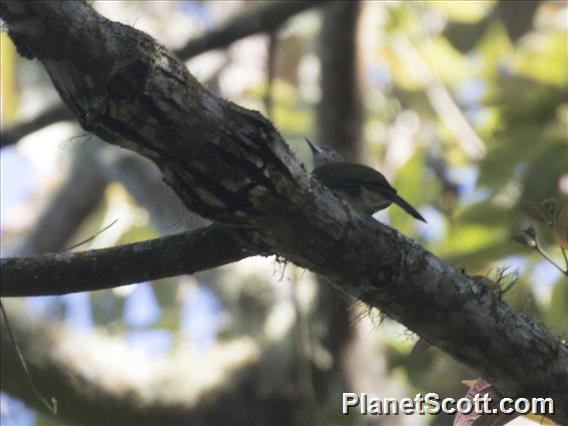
(337, 173)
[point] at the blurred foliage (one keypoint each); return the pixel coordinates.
(465, 11)
(9, 96)
(291, 113)
(519, 108)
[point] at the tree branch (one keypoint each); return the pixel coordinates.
(262, 17)
(230, 164)
(254, 19)
(51, 115)
(68, 272)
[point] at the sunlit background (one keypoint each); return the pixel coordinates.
(465, 111)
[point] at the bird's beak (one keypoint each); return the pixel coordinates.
(312, 146)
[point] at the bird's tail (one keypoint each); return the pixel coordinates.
(407, 207)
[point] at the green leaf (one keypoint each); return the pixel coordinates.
(542, 56)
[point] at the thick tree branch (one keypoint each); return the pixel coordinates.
(164, 257)
(230, 164)
(263, 17)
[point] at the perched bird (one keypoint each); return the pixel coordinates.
(366, 189)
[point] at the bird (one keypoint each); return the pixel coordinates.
(366, 189)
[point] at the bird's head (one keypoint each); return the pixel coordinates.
(323, 155)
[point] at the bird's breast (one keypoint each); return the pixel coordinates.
(362, 199)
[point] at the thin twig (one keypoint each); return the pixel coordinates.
(50, 404)
(92, 237)
(543, 254)
(565, 257)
